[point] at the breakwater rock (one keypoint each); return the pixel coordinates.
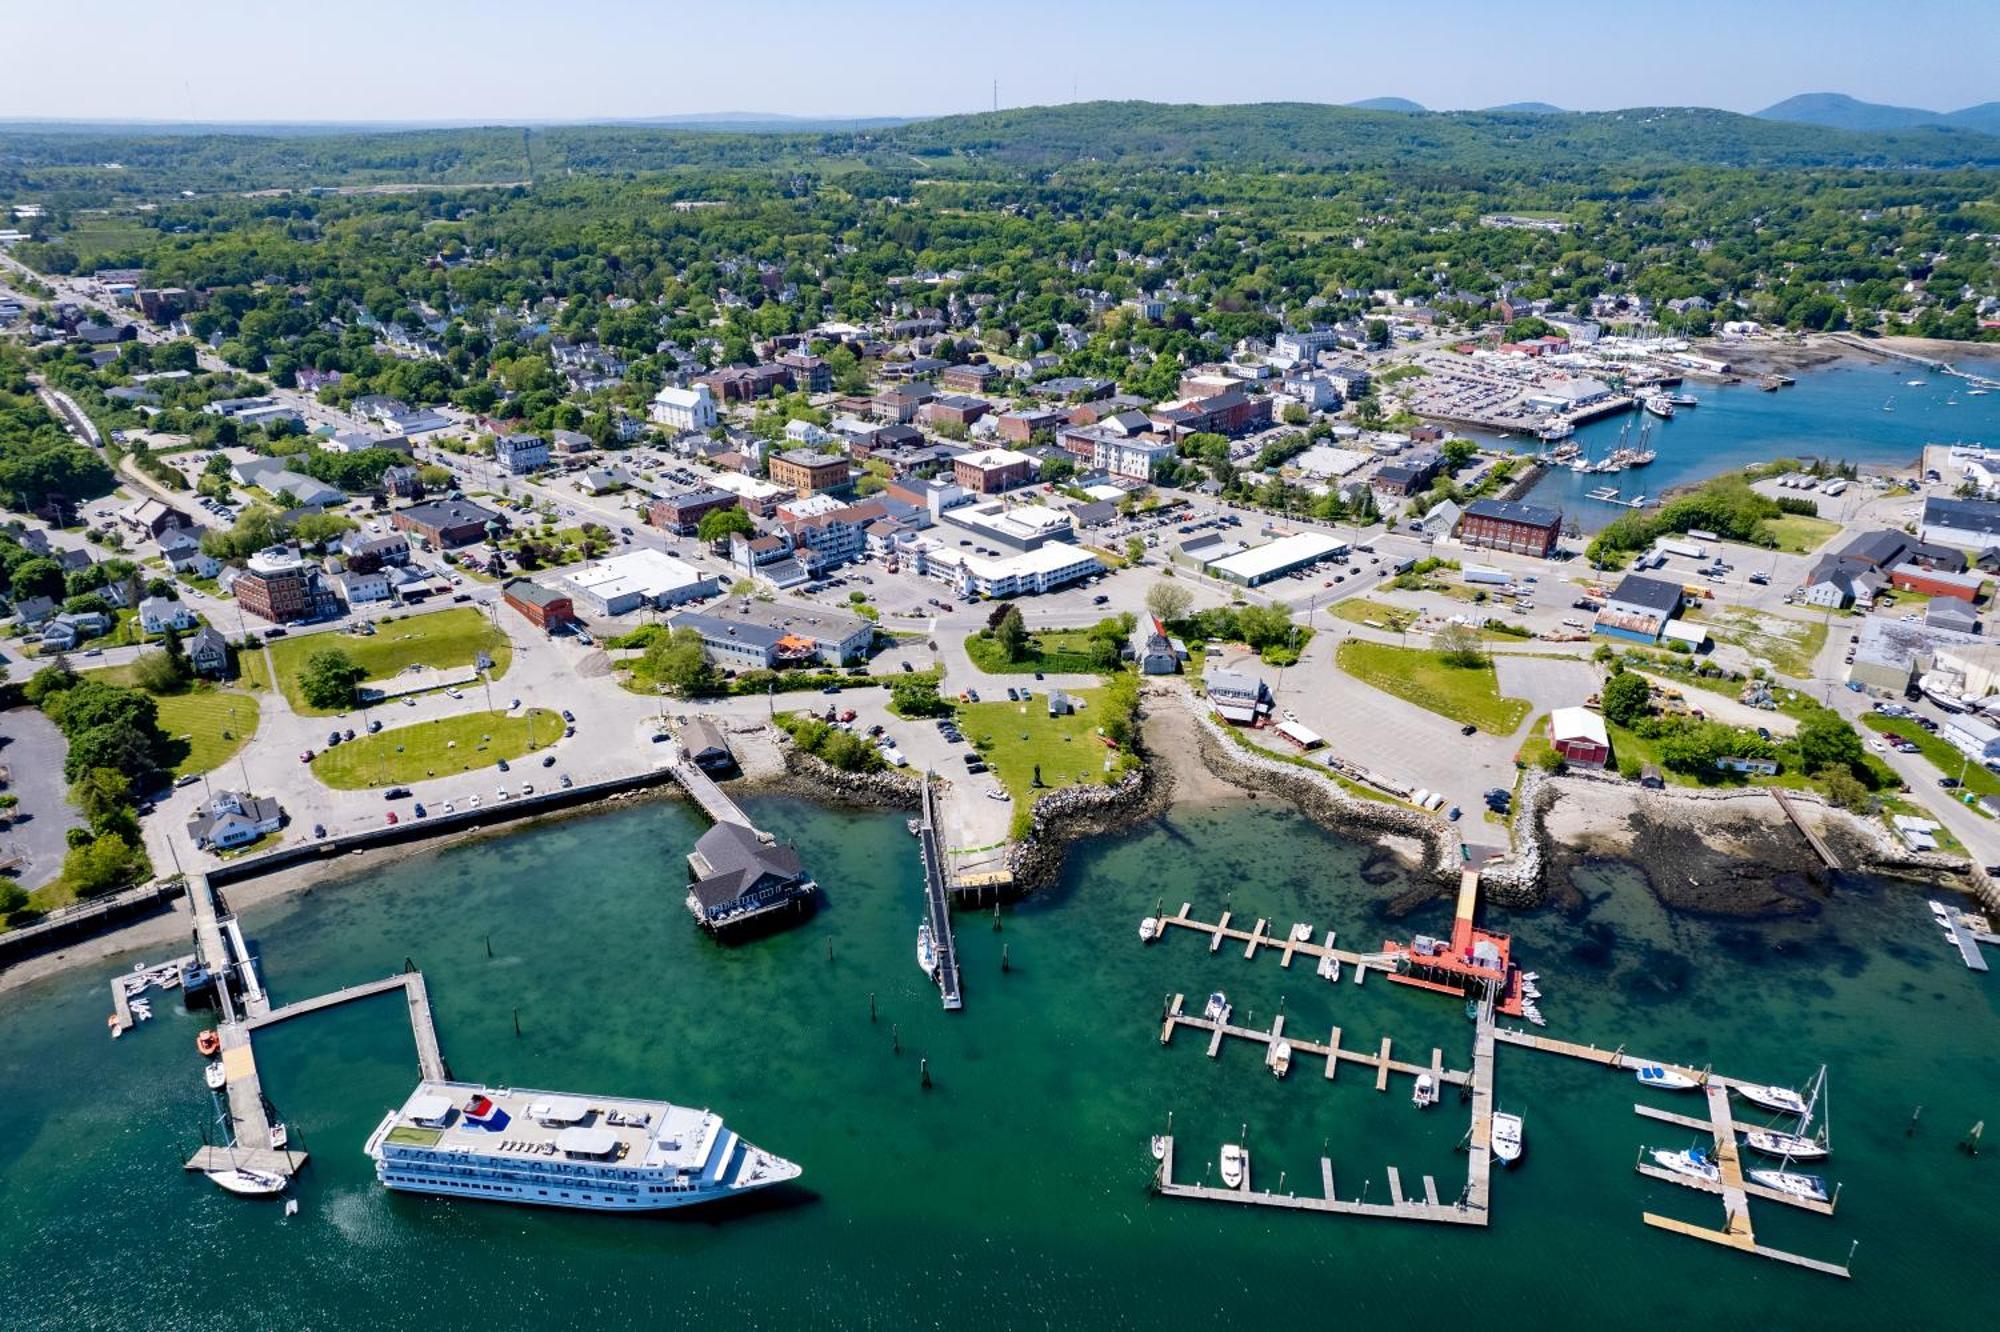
(1062, 816)
(821, 780)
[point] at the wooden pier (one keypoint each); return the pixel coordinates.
(1221, 932)
(1398, 1208)
(1813, 839)
(1331, 1050)
(709, 795)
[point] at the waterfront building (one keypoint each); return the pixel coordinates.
(1578, 735)
(1237, 695)
(1966, 524)
(233, 818)
(1524, 529)
(735, 877)
(606, 1154)
(745, 634)
(1639, 608)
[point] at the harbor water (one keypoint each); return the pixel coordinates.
(1835, 412)
(1013, 1192)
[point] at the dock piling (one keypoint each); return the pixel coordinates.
(896, 1037)
(924, 1067)
(1910, 1129)
(871, 1005)
(517, 1022)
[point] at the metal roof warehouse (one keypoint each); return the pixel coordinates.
(1285, 555)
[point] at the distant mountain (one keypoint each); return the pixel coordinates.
(1839, 111)
(765, 122)
(1528, 109)
(1388, 104)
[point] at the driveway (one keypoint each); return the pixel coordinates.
(33, 756)
(1546, 682)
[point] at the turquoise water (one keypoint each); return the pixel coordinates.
(1014, 1192)
(1834, 412)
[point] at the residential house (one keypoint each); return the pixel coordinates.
(208, 653)
(159, 614)
(233, 818)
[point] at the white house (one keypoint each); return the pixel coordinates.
(684, 409)
(804, 432)
(159, 614)
(358, 588)
(231, 818)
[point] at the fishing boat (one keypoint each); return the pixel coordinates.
(1914, 383)
(247, 1183)
(1426, 1094)
(1657, 404)
(208, 1042)
(1218, 1007)
(1694, 1163)
(1281, 1059)
(1654, 1075)
(1782, 1100)
(1159, 1146)
(1235, 1165)
(216, 1076)
(1975, 393)
(1149, 930)
(926, 950)
(1683, 399)
(1506, 1138)
(1770, 1142)
(1793, 1184)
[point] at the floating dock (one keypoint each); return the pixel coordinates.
(1962, 931)
(937, 904)
(1398, 1208)
(1331, 1050)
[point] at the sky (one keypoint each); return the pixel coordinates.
(512, 61)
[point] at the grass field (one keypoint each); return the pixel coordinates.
(1949, 760)
(465, 742)
(1064, 651)
(1798, 533)
(1018, 737)
(1360, 610)
(1787, 645)
(1469, 694)
(208, 725)
(443, 639)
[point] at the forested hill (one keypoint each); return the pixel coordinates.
(78, 166)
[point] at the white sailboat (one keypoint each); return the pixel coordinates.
(926, 950)
(1770, 1142)
(1782, 1100)
(247, 1183)
(1809, 1187)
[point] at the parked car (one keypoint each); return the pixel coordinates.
(503, 765)
(319, 830)
(392, 818)
(1467, 729)
(396, 793)
(373, 727)
(332, 739)
(566, 783)
(420, 811)
(306, 756)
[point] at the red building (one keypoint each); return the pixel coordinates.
(1936, 582)
(1578, 735)
(1524, 529)
(682, 514)
(545, 608)
(990, 471)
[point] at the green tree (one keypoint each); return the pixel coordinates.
(1168, 601)
(100, 793)
(917, 696)
(1826, 741)
(718, 525)
(1626, 695)
(329, 680)
(1844, 789)
(1011, 633)
(161, 672)
(102, 865)
(1459, 645)
(678, 660)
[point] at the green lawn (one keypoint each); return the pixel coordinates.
(1789, 646)
(1798, 533)
(1064, 651)
(1469, 694)
(1018, 737)
(465, 742)
(208, 726)
(444, 639)
(1361, 610)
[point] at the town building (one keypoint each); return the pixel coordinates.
(805, 471)
(1578, 735)
(448, 524)
(519, 455)
(544, 607)
(1042, 568)
(1524, 529)
(368, 551)
(1230, 412)
(757, 496)
(703, 744)
(1966, 524)
(152, 517)
(746, 383)
(684, 410)
(809, 373)
(636, 579)
(233, 818)
(682, 514)
(750, 635)
(275, 585)
(1408, 475)
(1639, 608)
(159, 614)
(1275, 559)
(1237, 696)
(990, 471)
(1020, 427)
(734, 875)
(968, 378)
(1153, 652)
(1937, 583)
(954, 409)
(208, 653)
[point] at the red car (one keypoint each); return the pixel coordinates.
(392, 816)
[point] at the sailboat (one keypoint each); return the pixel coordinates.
(1782, 1100)
(1694, 1163)
(1797, 1146)
(1809, 1187)
(927, 960)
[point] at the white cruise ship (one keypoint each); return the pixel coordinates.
(609, 1154)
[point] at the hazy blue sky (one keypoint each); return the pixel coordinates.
(583, 59)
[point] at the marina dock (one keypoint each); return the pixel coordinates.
(1222, 932)
(1331, 1050)
(1962, 931)
(1398, 1208)
(937, 903)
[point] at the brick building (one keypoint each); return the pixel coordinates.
(446, 523)
(543, 607)
(990, 471)
(682, 514)
(1524, 529)
(808, 472)
(276, 586)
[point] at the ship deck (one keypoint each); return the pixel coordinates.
(670, 1136)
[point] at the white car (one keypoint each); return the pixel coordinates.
(473, 802)
(450, 808)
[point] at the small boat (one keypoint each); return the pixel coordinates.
(291, 1207)
(1683, 399)
(1149, 930)
(1658, 405)
(1302, 932)
(216, 1075)
(111, 1021)
(1426, 1094)
(1329, 967)
(1975, 393)
(1694, 1163)
(248, 1183)
(1159, 1146)
(1531, 975)
(1235, 1165)
(1654, 1075)
(1793, 1184)
(1783, 1100)
(1218, 1007)
(280, 1135)
(208, 1042)
(1914, 383)
(1281, 1059)
(1506, 1138)
(1538, 1019)
(926, 950)
(1770, 1142)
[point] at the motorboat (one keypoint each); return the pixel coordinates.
(1506, 1138)
(1770, 1142)
(216, 1075)
(1426, 1094)
(1694, 1163)
(1218, 1007)
(1235, 1165)
(208, 1042)
(1658, 405)
(1683, 399)
(1329, 965)
(1792, 1184)
(1281, 1059)
(280, 1135)
(248, 1183)
(1302, 932)
(1149, 930)
(1666, 1079)
(926, 950)
(1782, 1100)
(1159, 1146)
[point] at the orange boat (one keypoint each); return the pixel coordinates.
(208, 1043)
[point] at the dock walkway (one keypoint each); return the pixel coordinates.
(709, 795)
(1330, 1050)
(937, 903)
(1813, 839)
(1398, 1208)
